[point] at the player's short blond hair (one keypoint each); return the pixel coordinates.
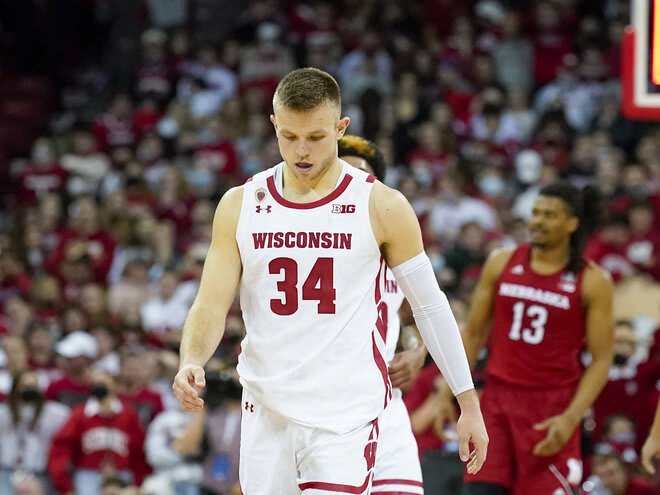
(305, 89)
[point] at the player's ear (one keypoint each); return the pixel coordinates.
(274, 121)
(573, 224)
(342, 124)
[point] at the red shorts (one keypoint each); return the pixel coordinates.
(510, 413)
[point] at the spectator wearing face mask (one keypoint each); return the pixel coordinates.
(630, 386)
(619, 434)
(28, 424)
(101, 438)
(615, 478)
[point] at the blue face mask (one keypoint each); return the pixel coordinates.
(252, 166)
(437, 262)
(492, 186)
(200, 179)
(423, 177)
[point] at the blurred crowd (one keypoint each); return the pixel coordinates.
(122, 123)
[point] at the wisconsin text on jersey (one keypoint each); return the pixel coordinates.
(533, 294)
(315, 240)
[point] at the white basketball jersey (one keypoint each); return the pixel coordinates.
(392, 298)
(310, 289)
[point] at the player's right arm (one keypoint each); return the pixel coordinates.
(205, 323)
(397, 231)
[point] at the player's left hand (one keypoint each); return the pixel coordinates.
(560, 428)
(404, 367)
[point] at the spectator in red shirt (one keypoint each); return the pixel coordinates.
(102, 438)
(115, 127)
(201, 217)
(84, 251)
(77, 352)
(612, 472)
(217, 149)
(644, 247)
(619, 434)
(630, 385)
(551, 43)
(85, 164)
(608, 248)
(422, 403)
(137, 373)
(173, 203)
(433, 153)
(43, 175)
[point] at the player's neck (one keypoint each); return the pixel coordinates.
(550, 259)
(303, 190)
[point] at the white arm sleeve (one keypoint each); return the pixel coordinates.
(435, 321)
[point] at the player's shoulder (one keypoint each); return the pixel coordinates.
(387, 199)
(497, 261)
(596, 279)
(232, 198)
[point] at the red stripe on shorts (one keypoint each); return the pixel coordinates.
(335, 487)
(398, 482)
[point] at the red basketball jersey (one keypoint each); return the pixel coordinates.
(538, 325)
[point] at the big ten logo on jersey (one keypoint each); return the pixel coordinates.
(567, 282)
(343, 208)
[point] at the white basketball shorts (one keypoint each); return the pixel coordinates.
(279, 457)
(397, 459)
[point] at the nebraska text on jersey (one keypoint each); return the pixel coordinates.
(318, 240)
(537, 295)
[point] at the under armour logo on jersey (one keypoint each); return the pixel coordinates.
(266, 209)
(249, 407)
(518, 270)
(343, 208)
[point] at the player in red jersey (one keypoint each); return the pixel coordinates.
(546, 304)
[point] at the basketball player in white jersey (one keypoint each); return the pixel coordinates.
(397, 458)
(306, 241)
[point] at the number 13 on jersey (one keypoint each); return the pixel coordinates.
(538, 318)
(318, 286)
